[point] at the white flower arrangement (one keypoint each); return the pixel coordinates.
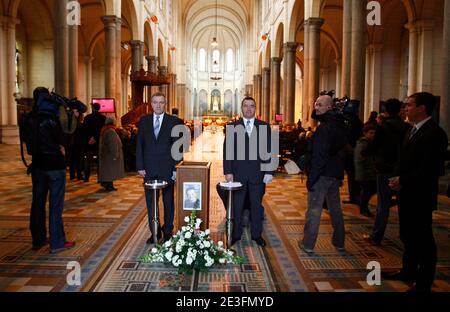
(192, 249)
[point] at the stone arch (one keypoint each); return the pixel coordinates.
(297, 16)
(267, 54)
(161, 54)
(128, 7)
(148, 39)
(279, 40)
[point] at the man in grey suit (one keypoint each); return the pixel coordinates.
(154, 160)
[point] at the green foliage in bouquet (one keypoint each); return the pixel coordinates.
(191, 249)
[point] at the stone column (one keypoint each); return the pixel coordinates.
(426, 55)
(73, 61)
(413, 59)
(305, 109)
(110, 55)
(358, 53)
(346, 49)
(444, 116)
(136, 63)
(376, 68)
(257, 80)
(152, 68)
(289, 81)
(118, 57)
(314, 25)
(136, 56)
(163, 71)
(265, 94)
(9, 133)
(338, 77)
(181, 101)
(61, 48)
(275, 71)
(88, 65)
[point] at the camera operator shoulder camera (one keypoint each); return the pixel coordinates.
(43, 130)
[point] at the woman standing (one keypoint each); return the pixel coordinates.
(111, 166)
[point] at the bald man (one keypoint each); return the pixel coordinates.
(326, 173)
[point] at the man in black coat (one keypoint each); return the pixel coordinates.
(154, 159)
(386, 149)
(417, 180)
(247, 161)
(91, 128)
(326, 173)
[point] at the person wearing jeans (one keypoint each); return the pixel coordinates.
(327, 154)
(325, 189)
(44, 182)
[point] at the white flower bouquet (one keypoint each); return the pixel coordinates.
(191, 249)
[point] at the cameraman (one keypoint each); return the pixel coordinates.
(48, 174)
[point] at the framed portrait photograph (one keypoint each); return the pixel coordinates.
(192, 196)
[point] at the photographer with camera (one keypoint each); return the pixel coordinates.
(45, 142)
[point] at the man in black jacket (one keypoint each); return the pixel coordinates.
(245, 161)
(386, 149)
(154, 159)
(417, 180)
(91, 128)
(48, 176)
(326, 174)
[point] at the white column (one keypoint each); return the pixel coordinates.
(412, 60)
(88, 65)
(118, 48)
(358, 53)
(368, 82)
(377, 53)
(425, 57)
(61, 48)
(346, 48)
(110, 55)
(444, 115)
(338, 77)
(9, 133)
(73, 61)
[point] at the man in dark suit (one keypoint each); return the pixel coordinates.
(417, 180)
(154, 160)
(247, 160)
(90, 129)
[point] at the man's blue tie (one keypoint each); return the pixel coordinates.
(156, 126)
(248, 128)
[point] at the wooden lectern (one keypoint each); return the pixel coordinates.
(192, 185)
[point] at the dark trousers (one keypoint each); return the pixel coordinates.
(368, 189)
(384, 197)
(256, 193)
(416, 233)
(168, 201)
(88, 162)
(76, 163)
(45, 183)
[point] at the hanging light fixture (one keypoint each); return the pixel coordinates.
(214, 43)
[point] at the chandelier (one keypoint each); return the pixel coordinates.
(214, 43)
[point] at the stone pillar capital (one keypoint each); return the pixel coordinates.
(135, 44)
(412, 27)
(426, 24)
(111, 20)
(257, 76)
(314, 22)
(8, 22)
(266, 70)
(276, 60)
(290, 47)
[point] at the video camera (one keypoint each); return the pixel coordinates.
(344, 105)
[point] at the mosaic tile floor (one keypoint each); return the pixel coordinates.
(111, 230)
